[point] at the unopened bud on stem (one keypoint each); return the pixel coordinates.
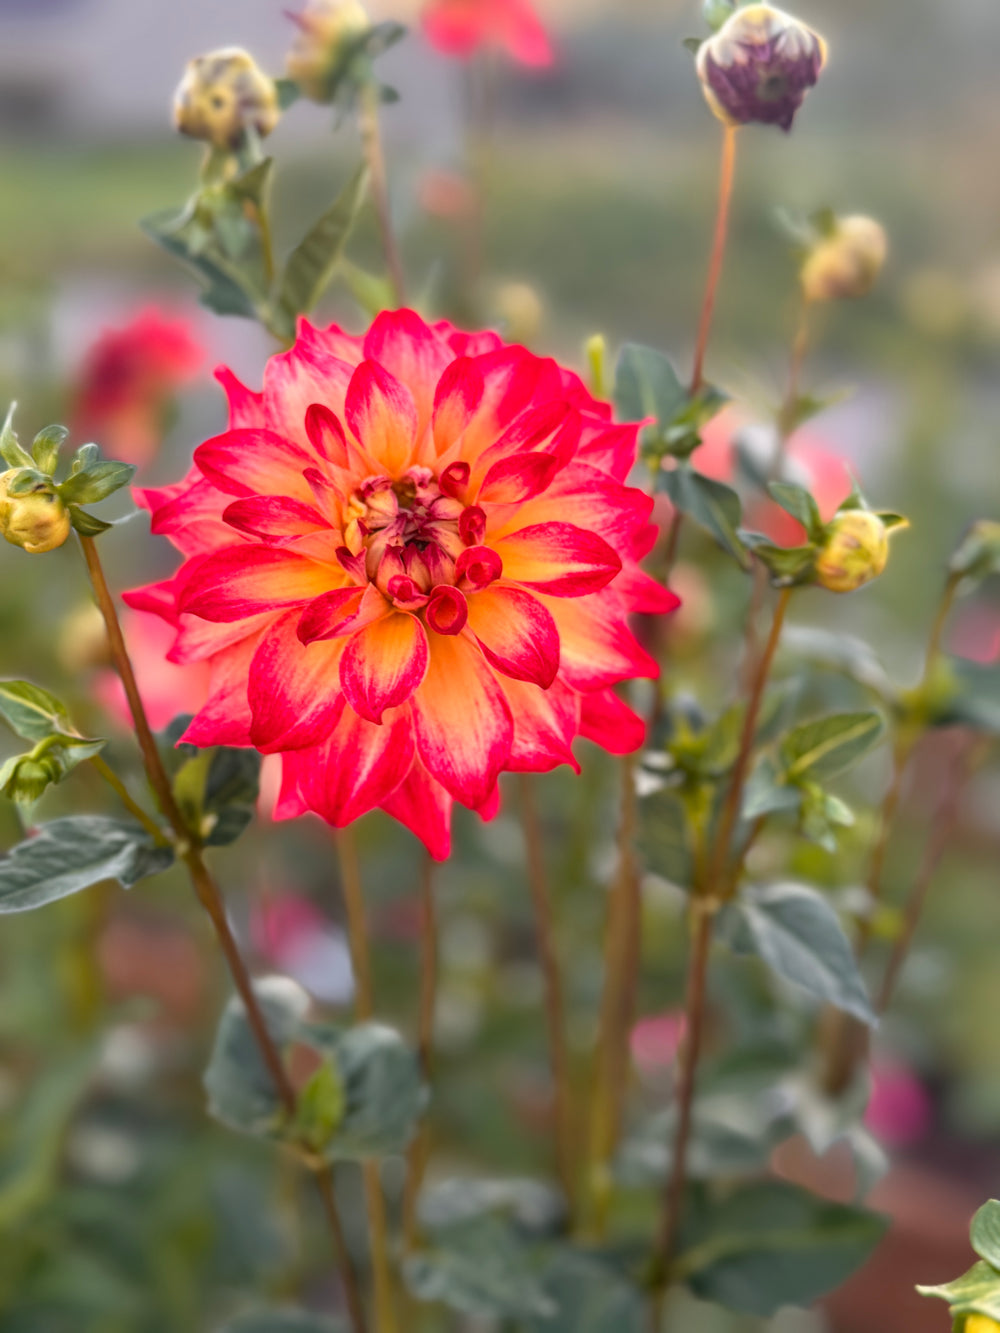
(759, 66)
(223, 95)
(327, 31)
(36, 520)
(856, 551)
(845, 263)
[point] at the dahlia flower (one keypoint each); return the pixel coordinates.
(409, 563)
(461, 27)
(126, 380)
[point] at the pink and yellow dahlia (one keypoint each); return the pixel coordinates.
(409, 563)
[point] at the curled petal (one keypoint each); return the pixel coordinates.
(558, 558)
(382, 416)
(447, 610)
(608, 722)
(274, 517)
(472, 526)
(383, 664)
(477, 567)
(462, 720)
(341, 611)
(455, 479)
(458, 395)
(517, 633)
(241, 581)
(405, 594)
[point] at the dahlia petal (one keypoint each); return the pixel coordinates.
(516, 632)
(358, 768)
(533, 430)
(599, 504)
(381, 414)
(274, 517)
(545, 722)
(342, 611)
(642, 593)
(456, 400)
(610, 448)
(224, 719)
(558, 558)
(331, 341)
(241, 581)
(199, 639)
(256, 462)
(595, 647)
(383, 664)
(462, 720)
(159, 599)
(326, 434)
(490, 808)
(424, 806)
(189, 514)
(477, 567)
(294, 693)
(610, 723)
(246, 408)
(514, 480)
(525, 38)
(447, 610)
(410, 350)
(512, 380)
(307, 373)
(468, 344)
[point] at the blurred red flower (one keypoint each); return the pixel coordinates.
(168, 688)
(126, 380)
(462, 27)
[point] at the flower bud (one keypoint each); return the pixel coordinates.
(846, 263)
(224, 94)
(759, 66)
(855, 551)
(327, 30)
(980, 1323)
(28, 777)
(37, 521)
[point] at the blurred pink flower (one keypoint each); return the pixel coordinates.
(461, 27)
(976, 633)
(291, 933)
(126, 380)
(655, 1041)
(167, 688)
(899, 1110)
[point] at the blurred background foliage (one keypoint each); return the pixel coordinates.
(122, 1209)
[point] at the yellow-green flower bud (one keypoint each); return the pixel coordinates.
(327, 28)
(855, 551)
(37, 521)
(980, 1323)
(846, 263)
(224, 94)
(759, 66)
(27, 778)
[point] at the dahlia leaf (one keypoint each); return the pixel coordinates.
(481, 1267)
(713, 506)
(314, 260)
(11, 452)
(71, 854)
(770, 1245)
(30, 711)
(975, 1292)
(96, 483)
(828, 747)
(985, 1233)
(45, 447)
(588, 1296)
(797, 501)
(795, 931)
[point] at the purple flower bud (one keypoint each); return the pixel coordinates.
(759, 66)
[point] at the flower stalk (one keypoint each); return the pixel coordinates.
(419, 1153)
(208, 894)
(726, 177)
(371, 143)
(555, 1007)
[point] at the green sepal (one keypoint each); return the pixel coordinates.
(87, 525)
(45, 448)
(24, 778)
(96, 482)
(13, 454)
(975, 1292)
(788, 566)
(798, 502)
(29, 481)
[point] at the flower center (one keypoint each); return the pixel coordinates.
(406, 525)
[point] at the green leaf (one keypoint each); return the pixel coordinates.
(373, 294)
(32, 712)
(12, 453)
(312, 263)
(71, 854)
(241, 1091)
(770, 1245)
(254, 184)
(823, 749)
(798, 502)
(288, 93)
(537, 1209)
(320, 1108)
(767, 792)
(978, 555)
(480, 1268)
(87, 524)
(647, 385)
(985, 1233)
(975, 1292)
(713, 505)
(796, 932)
(788, 566)
(588, 1296)
(227, 289)
(283, 1321)
(664, 840)
(45, 448)
(96, 482)
(25, 777)
(216, 789)
(822, 816)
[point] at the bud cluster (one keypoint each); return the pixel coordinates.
(328, 34)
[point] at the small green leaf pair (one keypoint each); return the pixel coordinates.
(36, 715)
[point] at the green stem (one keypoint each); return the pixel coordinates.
(726, 175)
(132, 806)
(364, 1007)
(419, 1153)
(371, 141)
